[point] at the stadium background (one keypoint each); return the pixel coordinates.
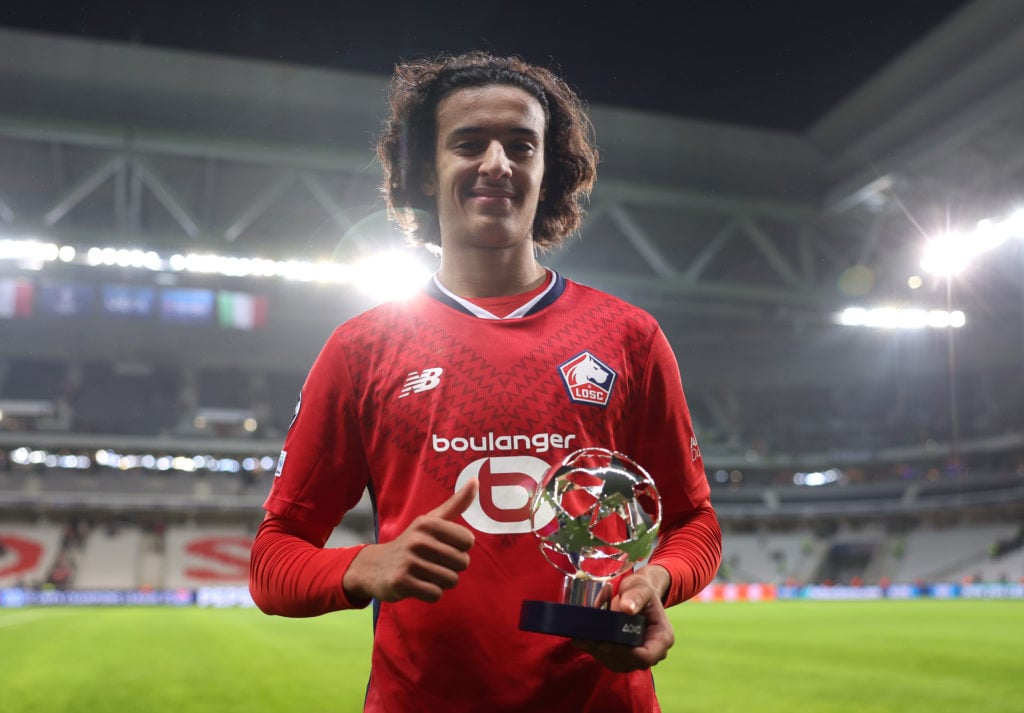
(180, 230)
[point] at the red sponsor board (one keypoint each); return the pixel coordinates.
(754, 592)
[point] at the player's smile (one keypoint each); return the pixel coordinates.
(488, 195)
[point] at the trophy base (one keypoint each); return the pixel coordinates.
(579, 622)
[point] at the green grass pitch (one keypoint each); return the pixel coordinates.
(822, 657)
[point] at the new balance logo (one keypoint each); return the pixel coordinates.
(419, 381)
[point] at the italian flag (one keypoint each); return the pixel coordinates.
(15, 298)
(241, 310)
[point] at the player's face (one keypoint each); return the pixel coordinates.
(489, 167)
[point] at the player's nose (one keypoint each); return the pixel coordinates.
(495, 164)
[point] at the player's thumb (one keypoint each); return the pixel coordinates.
(459, 502)
(631, 599)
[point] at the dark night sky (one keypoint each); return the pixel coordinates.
(770, 63)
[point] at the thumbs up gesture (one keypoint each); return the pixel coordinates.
(421, 562)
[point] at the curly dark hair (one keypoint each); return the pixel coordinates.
(407, 145)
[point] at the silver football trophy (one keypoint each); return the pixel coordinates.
(596, 514)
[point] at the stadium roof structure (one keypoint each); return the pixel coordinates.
(744, 242)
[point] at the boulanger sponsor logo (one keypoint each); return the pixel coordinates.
(588, 379)
(507, 484)
(491, 442)
(419, 381)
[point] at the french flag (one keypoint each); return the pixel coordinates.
(15, 298)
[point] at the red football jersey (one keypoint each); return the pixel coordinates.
(413, 399)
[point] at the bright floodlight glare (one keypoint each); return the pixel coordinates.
(989, 235)
(28, 250)
(34, 253)
(891, 318)
(391, 275)
(853, 317)
(132, 461)
(894, 318)
(817, 478)
(1015, 224)
(939, 319)
(947, 254)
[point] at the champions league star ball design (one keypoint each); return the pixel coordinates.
(606, 514)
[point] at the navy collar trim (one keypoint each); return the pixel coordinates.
(548, 298)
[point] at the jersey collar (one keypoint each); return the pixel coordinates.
(554, 290)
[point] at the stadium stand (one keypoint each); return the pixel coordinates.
(110, 559)
(1005, 568)
(126, 398)
(33, 393)
(29, 553)
(282, 394)
(206, 556)
(938, 554)
(771, 558)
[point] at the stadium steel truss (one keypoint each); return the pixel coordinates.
(744, 242)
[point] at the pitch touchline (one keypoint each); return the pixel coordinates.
(24, 617)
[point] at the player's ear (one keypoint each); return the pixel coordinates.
(429, 183)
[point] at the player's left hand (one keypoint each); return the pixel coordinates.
(639, 593)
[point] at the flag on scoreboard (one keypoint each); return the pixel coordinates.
(15, 298)
(241, 310)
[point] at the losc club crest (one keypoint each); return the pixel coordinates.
(588, 379)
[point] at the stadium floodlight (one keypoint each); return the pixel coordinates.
(392, 275)
(132, 461)
(1015, 223)
(184, 464)
(817, 478)
(896, 318)
(29, 252)
(947, 254)
(950, 253)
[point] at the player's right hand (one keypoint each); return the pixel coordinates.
(421, 562)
